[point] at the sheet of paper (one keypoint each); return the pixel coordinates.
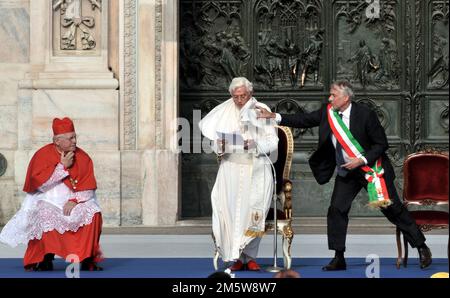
(232, 138)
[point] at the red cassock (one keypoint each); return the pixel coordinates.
(83, 242)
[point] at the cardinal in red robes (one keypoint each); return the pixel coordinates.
(60, 214)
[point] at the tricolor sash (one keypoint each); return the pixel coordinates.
(376, 187)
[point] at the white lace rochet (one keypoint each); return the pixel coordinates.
(42, 211)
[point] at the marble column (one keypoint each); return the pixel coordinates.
(157, 101)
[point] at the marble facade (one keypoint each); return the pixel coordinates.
(122, 95)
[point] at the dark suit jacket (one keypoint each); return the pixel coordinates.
(365, 127)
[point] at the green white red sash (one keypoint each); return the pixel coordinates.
(376, 187)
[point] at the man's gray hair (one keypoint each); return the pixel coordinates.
(57, 137)
(239, 82)
(346, 87)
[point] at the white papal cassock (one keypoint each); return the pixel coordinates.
(243, 190)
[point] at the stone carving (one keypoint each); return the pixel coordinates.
(215, 46)
(382, 114)
(355, 14)
(270, 62)
(443, 119)
(432, 148)
(438, 72)
(418, 115)
(158, 74)
(3, 165)
(406, 119)
(389, 65)
(395, 156)
(206, 106)
(364, 63)
(310, 58)
(73, 22)
(406, 43)
(129, 121)
(291, 53)
(416, 97)
(289, 43)
(290, 106)
(367, 52)
(213, 49)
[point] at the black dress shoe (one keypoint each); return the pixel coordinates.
(424, 257)
(89, 265)
(335, 264)
(46, 264)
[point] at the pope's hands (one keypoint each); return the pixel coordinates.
(249, 144)
(221, 143)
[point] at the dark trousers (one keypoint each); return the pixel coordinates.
(345, 191)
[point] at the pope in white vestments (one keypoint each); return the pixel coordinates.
(243, 191)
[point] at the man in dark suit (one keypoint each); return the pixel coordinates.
(350, 179)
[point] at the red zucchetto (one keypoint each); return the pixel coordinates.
(61, 126)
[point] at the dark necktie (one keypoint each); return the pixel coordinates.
(340, 158)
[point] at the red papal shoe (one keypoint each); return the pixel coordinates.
(253, 266)
(237, 266)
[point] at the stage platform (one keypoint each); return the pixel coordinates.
(190, 256)
(202, 268)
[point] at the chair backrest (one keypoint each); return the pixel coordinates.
(283, 168)
(284, 159)
(425, 177)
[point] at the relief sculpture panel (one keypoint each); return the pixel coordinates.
(438, 45)
(76, 25)
(213, 46)
(394, 53)
(367, 46)
(289, 41)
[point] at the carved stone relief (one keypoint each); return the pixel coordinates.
(438, 54)
(395, 155)
(367, 47)
(75, 24)
(382, 113)
(279, 44)
(290, 106)
(443, 117)
(396, 59)
(289, 44)
(129, 94)
(206, 106)
(213, 48)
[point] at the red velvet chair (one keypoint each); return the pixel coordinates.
(425, 178)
